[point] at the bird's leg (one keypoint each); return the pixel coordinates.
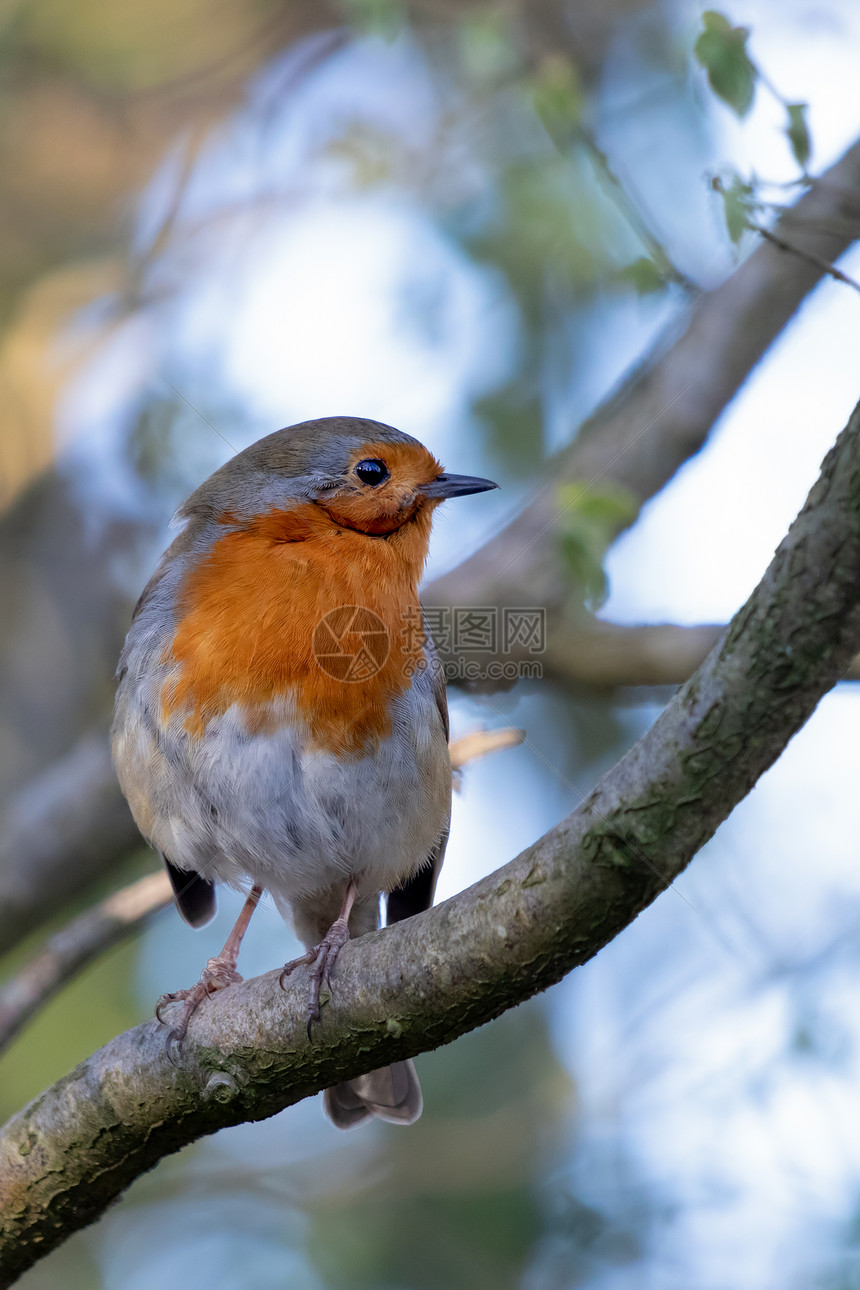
(322, 958)
(218, 973)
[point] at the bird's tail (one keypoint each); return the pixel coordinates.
(392, 1094)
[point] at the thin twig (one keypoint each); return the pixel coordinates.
(76, 945)
(481, 742)
(630, 205)
(820, 263)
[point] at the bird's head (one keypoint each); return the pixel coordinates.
(344, 471)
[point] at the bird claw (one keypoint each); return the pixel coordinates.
(218, 974)
(173, 1046)
(165, 1002)
(321, 961)
(293, 964)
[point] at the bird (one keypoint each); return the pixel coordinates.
(281, 720)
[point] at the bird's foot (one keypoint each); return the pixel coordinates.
(321, 960)
(217, 975)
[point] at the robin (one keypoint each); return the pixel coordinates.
(281, 720)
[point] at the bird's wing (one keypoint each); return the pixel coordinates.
(416, 894)
(436, 673)
(194, 894)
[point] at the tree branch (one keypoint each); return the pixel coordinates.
(664, 411)
(609, 656)
(791, 248)
(58, 834)
(637, 440)
(72, 948)
(423, 982)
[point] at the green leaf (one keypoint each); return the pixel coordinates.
(738, 205)
(487, 47)
(589, 518)
(548, 223)
(644, 275)
(722, 50)
(385, 18)
(559, 98)
(513, 417)
(797, 131)
(373, 158)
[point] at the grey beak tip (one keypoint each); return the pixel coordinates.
(458, 486)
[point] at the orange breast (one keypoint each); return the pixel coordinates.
(295, 606)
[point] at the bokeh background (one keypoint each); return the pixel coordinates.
(469, 220)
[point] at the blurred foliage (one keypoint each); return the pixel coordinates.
(645, 276)
(722, 51)
(92, 96)
(739, 205)
(503, 166)
(458, 1203)
(559, 98)
(589, 519)
(797, 131)
(385, 18)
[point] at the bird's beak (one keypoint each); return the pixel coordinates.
(456, 486)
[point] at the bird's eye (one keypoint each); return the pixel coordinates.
(372, 471)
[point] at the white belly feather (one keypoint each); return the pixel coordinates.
(267, 806)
